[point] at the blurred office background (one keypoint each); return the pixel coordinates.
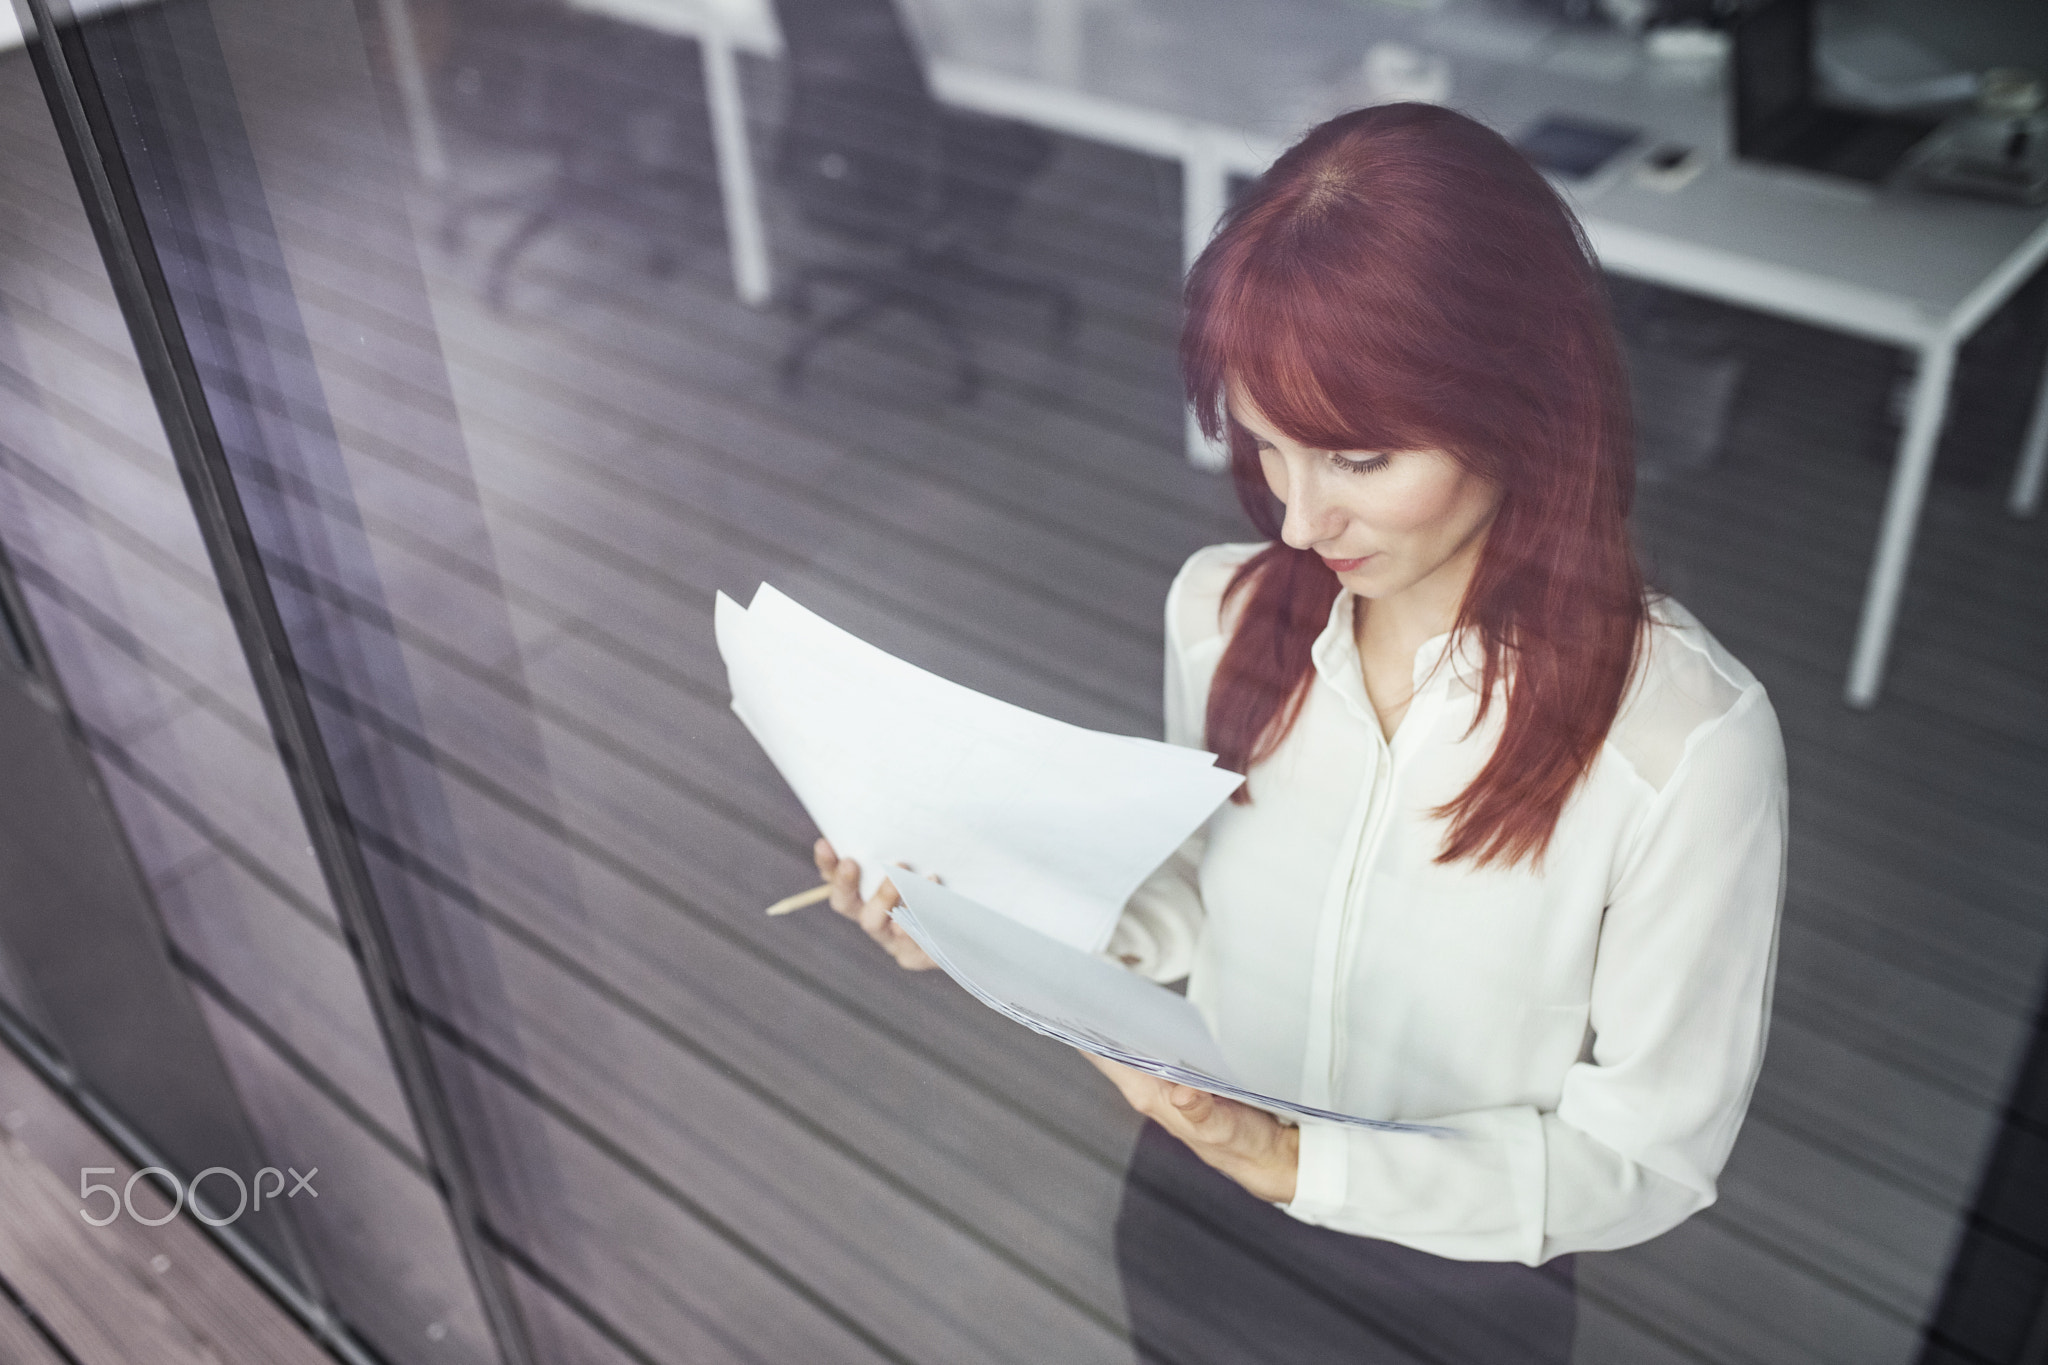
(410, 374)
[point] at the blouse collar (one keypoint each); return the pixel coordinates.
(1437, 668)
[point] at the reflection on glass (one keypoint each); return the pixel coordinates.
(502, 437)
(111, 563)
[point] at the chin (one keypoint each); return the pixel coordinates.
(1370, 581)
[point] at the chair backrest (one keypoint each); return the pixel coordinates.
(861, 145)
(540, 71)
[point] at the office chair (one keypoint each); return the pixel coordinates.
(871, 157)
(618, 109)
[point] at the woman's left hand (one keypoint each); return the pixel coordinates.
(1249, 1145)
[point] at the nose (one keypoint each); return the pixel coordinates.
(1311, 518)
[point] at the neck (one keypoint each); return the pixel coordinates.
(1397, 625)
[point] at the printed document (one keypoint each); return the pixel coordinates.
(1040, 830)
(1049, 823)
(1083, 1000)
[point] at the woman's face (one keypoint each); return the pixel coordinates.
(1386, 521)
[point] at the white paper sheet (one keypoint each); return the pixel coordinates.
(1083, 1000)
(1046, 822)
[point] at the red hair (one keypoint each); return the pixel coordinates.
(1402, 279)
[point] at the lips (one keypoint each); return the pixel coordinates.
(1344, 565)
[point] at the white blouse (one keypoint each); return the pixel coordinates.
(1593, 1029)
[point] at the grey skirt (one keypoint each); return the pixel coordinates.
(1214, 1276)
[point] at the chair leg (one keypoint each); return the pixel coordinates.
(1065, 310)
(456, 219)
(498, 278)
(790, 370)
(967, 374)
(799, 294)
(873, 294)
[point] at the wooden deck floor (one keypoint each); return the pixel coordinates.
(71, 1294)
(759, 1152)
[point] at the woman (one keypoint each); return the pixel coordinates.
(1510, 853)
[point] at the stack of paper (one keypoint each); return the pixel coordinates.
(1083, 1000)
(1053, 825)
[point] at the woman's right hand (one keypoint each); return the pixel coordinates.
(872, 914)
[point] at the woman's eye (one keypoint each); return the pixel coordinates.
(1359, 466)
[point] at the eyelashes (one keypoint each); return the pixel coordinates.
(1343, 463)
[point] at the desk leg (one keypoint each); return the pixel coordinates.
(1910, 472)
(1204, 193)
(2026, 485)
(1059, 37)
(421, 125)
(745, 236)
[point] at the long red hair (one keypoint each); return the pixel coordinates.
(1402, 279)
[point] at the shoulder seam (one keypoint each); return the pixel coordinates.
(1663, 796)
(1684, 635)
(1744, 695)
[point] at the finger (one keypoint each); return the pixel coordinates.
(1231, 1134)
(825, 859)
(1201, 1120)
(908, 954)
(874, 914)
(1138, 1090)
(1198, 1107)
(1144, 1092)
(846, 888)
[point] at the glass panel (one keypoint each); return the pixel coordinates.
(467, 289)
(17, 997)
(114, 572)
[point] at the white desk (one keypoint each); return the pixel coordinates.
(1222, 88)
(722, 28)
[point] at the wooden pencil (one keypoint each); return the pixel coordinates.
(801, 899)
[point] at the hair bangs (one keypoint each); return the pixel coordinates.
(1331, 377)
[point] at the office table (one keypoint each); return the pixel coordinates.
(1222, 88)
(1196, 81)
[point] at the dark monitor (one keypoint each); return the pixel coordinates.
(1773, 62)
(1778, 120)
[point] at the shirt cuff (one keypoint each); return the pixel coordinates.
(1131, 938)
(1528, 1168)
(1322, 1174)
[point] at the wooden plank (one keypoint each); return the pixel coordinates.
(378, 1235)
(1890, 1242)
(729, 1283)
(125, 1292)
(1734, 1299)
(291, 972)
(20, 1342)
(893, 1254)
(627, 829)
(1922, 1135)
(1608, 1334)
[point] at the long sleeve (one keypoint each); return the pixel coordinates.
(1680, 998)
(1163, 919)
